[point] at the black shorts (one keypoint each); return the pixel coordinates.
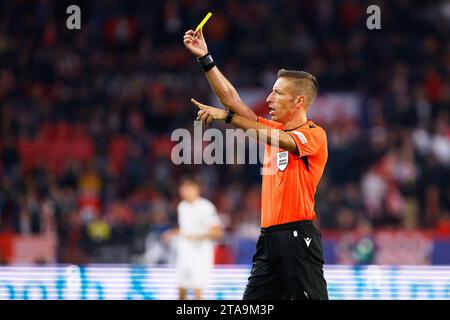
(288, 264)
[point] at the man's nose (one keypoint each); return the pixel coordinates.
(269, 98)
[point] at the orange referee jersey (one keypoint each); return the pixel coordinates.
(290, 180)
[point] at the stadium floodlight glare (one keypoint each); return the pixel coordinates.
(205, 19)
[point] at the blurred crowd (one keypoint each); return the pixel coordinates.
(86, 116)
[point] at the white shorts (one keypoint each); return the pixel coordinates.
(194, 265)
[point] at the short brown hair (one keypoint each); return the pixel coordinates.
(303, 80)
(189, 179)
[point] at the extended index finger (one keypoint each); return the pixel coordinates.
(198, 104)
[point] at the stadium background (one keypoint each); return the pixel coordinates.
(86, 118)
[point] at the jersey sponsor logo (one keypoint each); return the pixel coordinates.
(301, 136)
(282, 160)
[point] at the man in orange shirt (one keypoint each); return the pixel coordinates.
(288, 263)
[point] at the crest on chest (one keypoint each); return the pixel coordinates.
(282, 160)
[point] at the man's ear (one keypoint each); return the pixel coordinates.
(300, 100)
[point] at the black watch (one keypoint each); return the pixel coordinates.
(229, 117)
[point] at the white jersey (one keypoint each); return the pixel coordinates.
(195, 257)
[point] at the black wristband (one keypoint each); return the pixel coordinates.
(229, 117)
(203, 57)
(209, 66)
(206, 62)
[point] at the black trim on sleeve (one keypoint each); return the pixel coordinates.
(298, 149)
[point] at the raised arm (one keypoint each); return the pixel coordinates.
(260, 132)
(223, 89)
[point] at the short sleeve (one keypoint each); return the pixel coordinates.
(212, 218)
(309, 141)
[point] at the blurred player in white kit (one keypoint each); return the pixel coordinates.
(198, 227)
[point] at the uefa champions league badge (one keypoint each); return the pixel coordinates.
(282, 160)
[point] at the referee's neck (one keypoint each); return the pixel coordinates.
(296, 122)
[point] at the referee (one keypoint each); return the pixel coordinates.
(288, 263)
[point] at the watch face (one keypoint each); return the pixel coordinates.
(229, 116)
